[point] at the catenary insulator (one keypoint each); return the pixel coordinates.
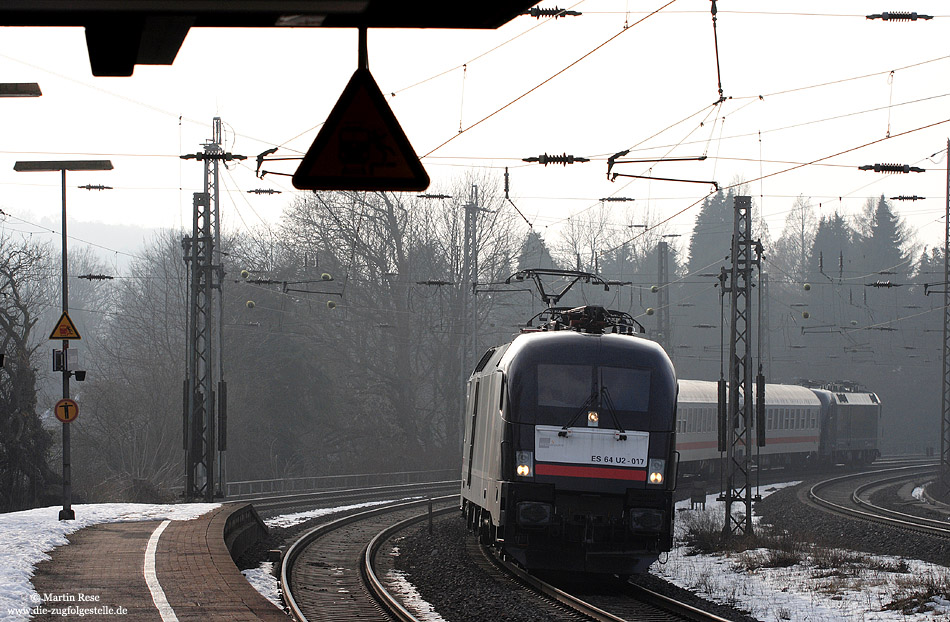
(562, 159)
(899, 16)
(891, 168)
(555, 12)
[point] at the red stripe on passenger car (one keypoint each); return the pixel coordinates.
(785, 440)
(564, 470)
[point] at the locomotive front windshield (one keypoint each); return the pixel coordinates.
(571, 386)
(564, 389)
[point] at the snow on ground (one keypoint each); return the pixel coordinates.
(289, 520)
(803, 592)
(399, 585)
(855, 590)
(263, 580)
(26, 537)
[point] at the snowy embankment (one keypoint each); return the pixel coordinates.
(826, 585)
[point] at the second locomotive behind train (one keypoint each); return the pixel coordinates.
(568, 456)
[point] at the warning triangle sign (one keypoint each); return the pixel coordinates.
(361, 146)
(65, 329)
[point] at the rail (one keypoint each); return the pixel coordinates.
(236, 490)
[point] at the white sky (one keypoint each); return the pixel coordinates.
(274, 86)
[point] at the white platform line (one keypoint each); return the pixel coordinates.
(151, 578)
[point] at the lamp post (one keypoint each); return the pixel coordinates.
(62, 166)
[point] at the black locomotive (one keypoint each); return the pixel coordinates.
(568, 458)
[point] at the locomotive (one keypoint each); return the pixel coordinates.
(574, 433)
(569, 450)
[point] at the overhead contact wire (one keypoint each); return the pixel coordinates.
(533, 89)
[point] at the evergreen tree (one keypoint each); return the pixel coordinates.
(535, 253)
(882, 248)
(711, 241)
(831, 249)
(929, 271)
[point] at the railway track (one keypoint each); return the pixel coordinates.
(334, 572)
(608, 599)
(281, 503)
(330, 573)
(849, 495)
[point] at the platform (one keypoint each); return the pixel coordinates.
(150, 571)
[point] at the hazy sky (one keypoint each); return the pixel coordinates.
(651, 88)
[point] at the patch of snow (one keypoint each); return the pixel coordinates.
(26, 537)
(263, 580)
(401, 587)
(803, 592)
(289, 520)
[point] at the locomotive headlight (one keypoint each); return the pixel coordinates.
(525, 463)
(592, 418)
(655, 474)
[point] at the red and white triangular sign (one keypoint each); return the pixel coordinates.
(361, 146)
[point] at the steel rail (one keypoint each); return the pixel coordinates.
(294, 551)
(939, 526)
(289, 500)
(917, 524)
(368, 567)
(669, 605)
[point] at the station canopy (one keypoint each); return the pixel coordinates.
(123, 33)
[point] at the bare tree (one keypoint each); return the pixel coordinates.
(25, 274)
(793, 248)
(129, 443)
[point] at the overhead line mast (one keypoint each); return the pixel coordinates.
(204, 450)
(736, 421)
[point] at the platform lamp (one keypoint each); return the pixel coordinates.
(62, 166)
(20, 89)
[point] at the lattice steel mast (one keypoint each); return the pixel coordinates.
(470, 276)
(663, 324)
(738, 420)
(945, 402)
(202, 256)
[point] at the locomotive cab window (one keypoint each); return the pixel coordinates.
(567, 388)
